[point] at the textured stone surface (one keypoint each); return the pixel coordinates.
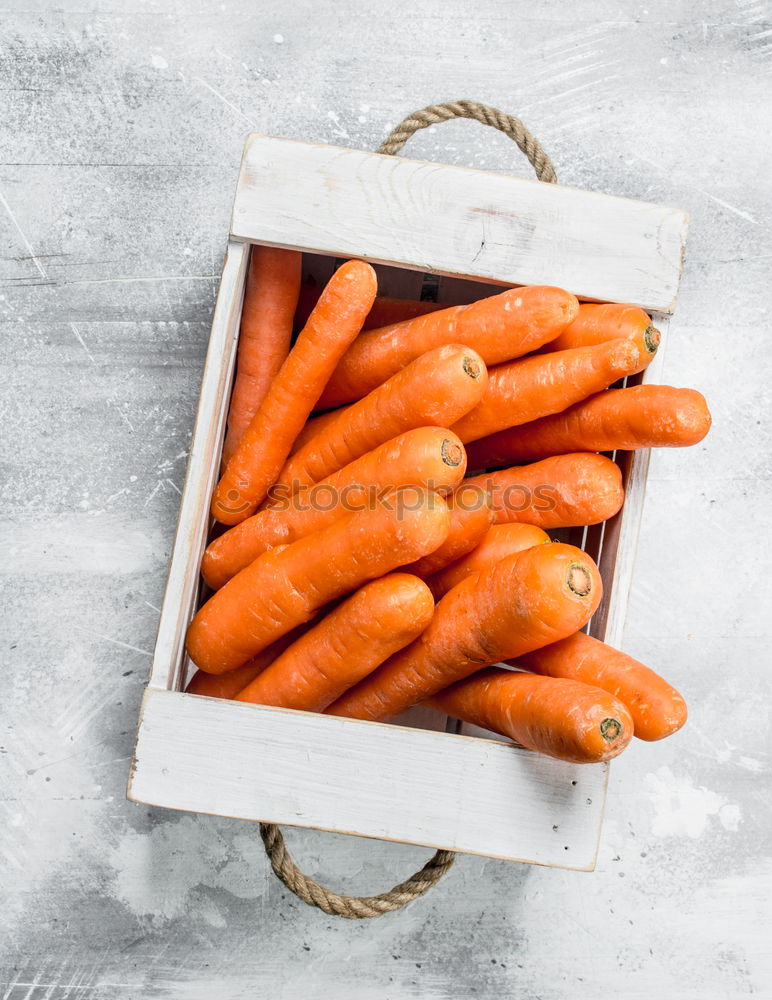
(119, 144)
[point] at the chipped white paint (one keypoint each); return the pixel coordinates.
(96, 544)
(682, 809)
(156, 877)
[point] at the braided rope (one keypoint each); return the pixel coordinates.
(350, 907)
(305, 888)
(483, 113)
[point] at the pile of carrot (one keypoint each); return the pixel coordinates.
(388, 484)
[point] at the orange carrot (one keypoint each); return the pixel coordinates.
(313, 426)
(524, 601)
(435, 389)
(263, 450)
(285, 587)
(524, 390)
(642, 416)
(377, 621)
(385, 309)
(499, 328)
(657, 708)
(560, 718)
(427, 456)
(270, 298)
(470, 517)
(228, 685)
(563, 491)
(596, 324)
(499, 541)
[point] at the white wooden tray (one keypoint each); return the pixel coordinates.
(414, 782)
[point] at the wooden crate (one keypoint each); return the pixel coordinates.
(455, 234)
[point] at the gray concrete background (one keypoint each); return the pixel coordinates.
(120, 137)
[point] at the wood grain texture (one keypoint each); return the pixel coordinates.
(389, 782)
(450, 220)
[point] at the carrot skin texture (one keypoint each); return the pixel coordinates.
(385, 310)
(657, 709)
(498, 542)
(499, 328)
(427, 456)
(270, 298)
(471, 515)
(598, 323)
(523, 602)
(287, 586)
(641, 416)
(313, 426)
(524, 390)
(561, 718)
(563, 491)
(350, 642)
(434, 390)
(263, 450)
(229, 684)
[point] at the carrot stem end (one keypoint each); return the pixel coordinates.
(611, 729)
(578, 579)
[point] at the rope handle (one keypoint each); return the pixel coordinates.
(486, 115)
(350, 907)
(305, 888)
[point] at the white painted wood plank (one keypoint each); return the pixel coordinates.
(370, 779)
(619, 542)
(451, 220)
(183, 580)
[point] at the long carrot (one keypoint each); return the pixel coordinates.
(525, 601)
(471, 515)
(561, 718)
(263, 450)
(270, 298)
(642, 416)
(524, 390)
(435, 389)
(286, 586)
(657, 708)
(563, 491)
(499, 328)
(385, 310)
(228, 685)
(315, 425)
(498, 542)
(596, 324)
(427, 456)
(349, 643)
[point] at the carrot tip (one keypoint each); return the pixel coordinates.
(611, 729)
(452, 453)
(651, 339)
(578, 579)
(472, 367)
